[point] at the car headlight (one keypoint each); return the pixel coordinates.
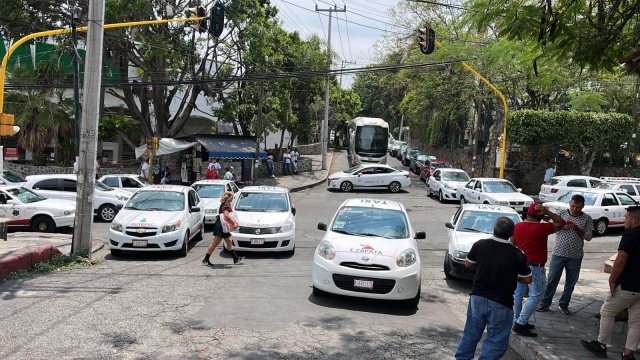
(122, 198)
(69, 212)
(502, 203)
(406, 258)
(460, 255)
(326, 250)
(450, 187)
(288, 226)
(171, 227)
(527, 203)
(116, 226)
(211, 211)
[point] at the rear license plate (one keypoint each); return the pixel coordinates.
(139, 243)
(364, 284)
(257, 241)
(369, 159)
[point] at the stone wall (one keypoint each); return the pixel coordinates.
(26, 170)
(311, 149)
(304, 165)
(462, 158)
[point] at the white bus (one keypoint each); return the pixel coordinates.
(368, 140)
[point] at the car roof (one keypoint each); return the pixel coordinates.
(212, 182)
(52, 176)
(265, 189)
(488, 208)
(377, 165)
(489, 179)
(451, 170)
(174, 188)
(562, 177)
(375, 203)
(120, 175)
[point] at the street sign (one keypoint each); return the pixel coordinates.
(11, 153)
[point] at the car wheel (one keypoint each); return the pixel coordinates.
(43, 224)
(394, 187)
(317, 292)
(447, 267)
(116, 252)
(185, 246)
(462, 202)
(440, 198)
(106, 213)
(415, 301)
(346, 186)
(601, 226)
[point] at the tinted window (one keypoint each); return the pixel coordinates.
(577, 183)
(626, 199)
(192, 199)
(111, 181)
(552, 181)
(13, 177)
(69, 185)
(470, 184)
(128, 182)
(628, 188)
(47, 184)
(455, 176)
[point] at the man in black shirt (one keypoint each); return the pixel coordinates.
(624, 286)
(500, 266)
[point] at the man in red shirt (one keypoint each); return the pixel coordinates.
(531, 237)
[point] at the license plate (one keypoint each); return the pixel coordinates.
(257, 241)
(139, 243)
(365, 284)
(369, 159)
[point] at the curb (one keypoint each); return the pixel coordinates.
(530, 349)
(24, 259)
(316, 183)
(608, 265)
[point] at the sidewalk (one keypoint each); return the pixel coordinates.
(559, 335)
(303, 180)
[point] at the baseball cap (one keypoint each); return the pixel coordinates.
(532, 210)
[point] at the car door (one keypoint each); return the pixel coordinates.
(196, 217)
(130, 184)
(466, 191)
(434, 181)
(383, 176)
(611, 207)
(476, 192)
(48, 188)
(13, 209)
(69, 189)
(365, 177)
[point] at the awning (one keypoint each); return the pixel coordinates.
(230, 147)
(165, 146)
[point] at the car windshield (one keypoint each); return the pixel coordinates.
(552, 181)
(361, 221)
(12, 177)
(422, 157)
(499, 187)
(482, 221)
(455, 176)
(440, 165)
(398, 143)
(262, 202)
(353, 169)
(589, 197)
(209, 190)
(100, 186)
(26, 196)
(156, 201)
(144, 181)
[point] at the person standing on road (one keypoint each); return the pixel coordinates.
(531, 237)
(624, 286)
(218, 232)
(500, 266)
(567, 253)
(286, 162)
(550, 172)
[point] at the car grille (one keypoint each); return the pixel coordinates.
(374, 267)
(516, 202)
(380, 286)
(147, 232)
(251, 230)
(266, 245)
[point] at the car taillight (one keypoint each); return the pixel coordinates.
(554, 190)
(406, 174)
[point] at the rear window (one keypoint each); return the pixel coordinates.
(552, 181)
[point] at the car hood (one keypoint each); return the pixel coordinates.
(454, 184)
(211, 203)
(353, 248)
(510, 196)
(339, 174)
(53, 203)
(137, 218)
(466, 239)
(262, 219)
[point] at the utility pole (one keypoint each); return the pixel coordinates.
(77, 114)
(89, 131)
(259, 124)
(325, 123)
(400, 130)
(342, 68)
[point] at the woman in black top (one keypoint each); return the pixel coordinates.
(219, 234)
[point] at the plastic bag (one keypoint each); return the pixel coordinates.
(228, 226)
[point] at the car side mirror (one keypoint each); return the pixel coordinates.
(420, 235)
(449, 225)
(359, 174)
(12, 202)
(194, 209)
(119, 207)
(293, 211)
(322, 226)
(519, 189)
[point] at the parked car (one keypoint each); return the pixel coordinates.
(11, 178)
(606, 207)
(495, 192)
(25, 208)
(429, 167)
(393, 150)
(369, 176)
(210, 192)
(369, 250)
(401, 150)
(64, 186)
(557, 186)
(127, 182)
(417, 162)
(472, 222)
(267, 220)
(445, 183)
(409, 154)
(629, 185)
(158, 218)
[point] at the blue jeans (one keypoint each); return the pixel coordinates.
(295, 166)
(498, 320)
(270, 166)
(557, 264)
(523, 312)
(286, 169)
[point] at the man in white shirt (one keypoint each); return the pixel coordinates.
(286, 162)
(144, 171)
(294, 160)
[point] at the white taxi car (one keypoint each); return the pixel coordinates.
(495, 192)
(369, 250)
(472, 222)
(445, 183)
(23, 207)
(158, 218)
(607, 208)
(210, 192)
(369, 176)
(267, 220)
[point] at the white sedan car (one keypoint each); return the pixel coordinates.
(495, 192)
(370, 176)
(210, 192)
(607, 208)
(23, 207)
(557, 186)
(472, 222)
(158, 218)
(445, 183)
(369, 250)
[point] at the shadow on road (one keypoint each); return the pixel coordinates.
(364, 305)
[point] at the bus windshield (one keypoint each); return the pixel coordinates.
(371, 138)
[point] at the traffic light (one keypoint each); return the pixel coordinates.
(216, 20)
(427, 39)
(6, 125)
(201, 25)
(155, 144)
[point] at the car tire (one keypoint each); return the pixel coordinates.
(440, 197)
(600, 226)
(394, 187)
(184, 250)
(414, 301)
(43, 224)
(447, 267)
(107, 213)
(346, 186)
(462, 201)
(116, 252)
(317, 292)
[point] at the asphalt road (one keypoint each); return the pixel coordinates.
(159, 306)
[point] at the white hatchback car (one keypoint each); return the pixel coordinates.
(158, 218)
(24, 207)
(629, 185)
(560, 185)
(495, 192)
(472, 222)
(370, 176)
(210, 192)
(267, 220)
(127, 182)
(369, 250)
(445, 183)
(105, 199)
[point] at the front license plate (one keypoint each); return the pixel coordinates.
(257, 241)
(365, 284)
(369, 159)
(139, 243)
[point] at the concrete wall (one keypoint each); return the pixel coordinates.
(26, 170)
(311, 149)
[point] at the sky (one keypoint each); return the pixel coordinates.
(352, 36)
